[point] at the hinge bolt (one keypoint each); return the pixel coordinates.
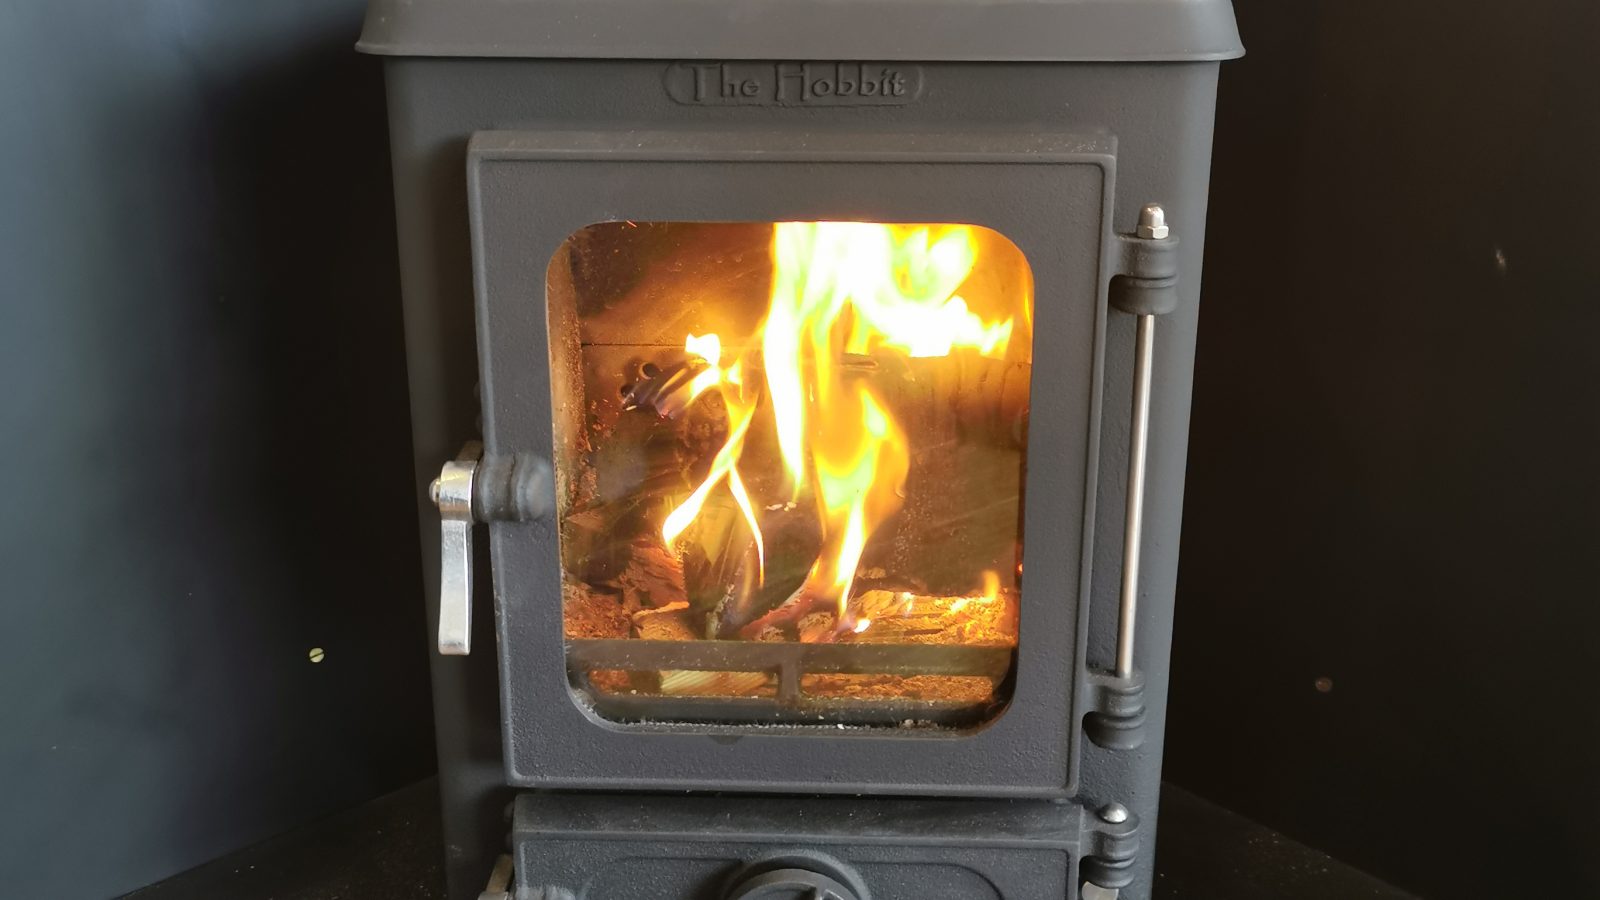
(1153, 223)
(433, 491)
(1114, 814)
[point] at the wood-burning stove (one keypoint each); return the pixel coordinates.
(821, 417)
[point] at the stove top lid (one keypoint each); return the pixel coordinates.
(880, 30)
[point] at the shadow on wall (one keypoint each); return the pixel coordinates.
(209, 470)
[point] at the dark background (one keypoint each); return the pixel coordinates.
(1396, 439)
(205, 458)
(1392, 485)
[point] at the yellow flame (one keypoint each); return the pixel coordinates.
(742, 497)
(841, 288)
(991, 592)
(709, 348)
(860, 459)
(726, 463)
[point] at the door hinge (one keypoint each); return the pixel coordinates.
(1146, 283)
(1147, 287)
(471, 489)
(1111, 845)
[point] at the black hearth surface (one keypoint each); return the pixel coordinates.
(389, 849)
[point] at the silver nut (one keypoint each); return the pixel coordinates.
(1153, 223)
(433, 491)
(1114, 813)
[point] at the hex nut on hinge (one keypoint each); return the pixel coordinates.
(1147, 283)
(1152, 223)
(1117, 719)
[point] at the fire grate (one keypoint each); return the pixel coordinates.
(788, 662)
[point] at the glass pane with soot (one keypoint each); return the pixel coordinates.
(790, 464)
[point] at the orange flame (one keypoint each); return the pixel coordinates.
(838, 289)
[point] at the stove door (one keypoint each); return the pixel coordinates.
(790, 391)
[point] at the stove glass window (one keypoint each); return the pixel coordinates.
(790, 462)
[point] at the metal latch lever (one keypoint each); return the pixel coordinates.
(472, 488)
(452, 493)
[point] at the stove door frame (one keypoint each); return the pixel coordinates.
(1051, 194)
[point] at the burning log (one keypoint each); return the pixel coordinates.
(653, 579)
(801, 612)
(664, 625)
(817, 627)
(903, 617)
(906, 618)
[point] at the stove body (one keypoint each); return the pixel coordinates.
(580, 187)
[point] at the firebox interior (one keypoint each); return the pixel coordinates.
(790, 461)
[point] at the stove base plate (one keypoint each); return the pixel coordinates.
(703, 847)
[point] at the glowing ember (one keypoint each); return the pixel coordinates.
(839, 290)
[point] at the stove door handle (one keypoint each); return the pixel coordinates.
(452, 492)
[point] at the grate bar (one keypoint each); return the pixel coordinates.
(788, 660)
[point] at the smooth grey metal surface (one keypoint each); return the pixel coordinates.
(925, 30)
(452, 493)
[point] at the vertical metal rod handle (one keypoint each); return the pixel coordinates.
(1138, 452)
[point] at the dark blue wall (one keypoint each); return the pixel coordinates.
(1394, 477)
(204, 453)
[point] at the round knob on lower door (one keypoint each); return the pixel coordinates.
(791, 884)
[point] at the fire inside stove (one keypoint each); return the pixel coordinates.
(790, 460)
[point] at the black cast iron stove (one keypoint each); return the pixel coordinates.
(821, 373)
